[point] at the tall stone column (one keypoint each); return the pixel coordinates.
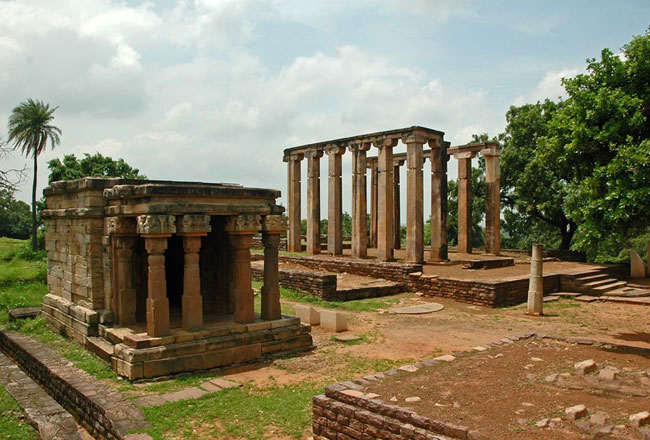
(294, 239)
(272, 226)
(313, 201)
(372, 237)
(397, 240)
(385, 230)
(414, 202)
(192, 228)
(156, 229)
(241, 229)
(492, 201)
(359, 202)
(464, 201)
(536, 285)
(334, 201)
(123, 235)
(438, 201)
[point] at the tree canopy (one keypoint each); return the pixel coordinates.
(71, 168)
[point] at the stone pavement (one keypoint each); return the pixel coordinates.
(210, 386)
(42, 412)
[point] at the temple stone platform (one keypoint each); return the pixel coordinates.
(222, 342)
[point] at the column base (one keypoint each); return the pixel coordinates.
(192, 312)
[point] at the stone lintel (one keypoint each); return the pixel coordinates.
(193, 224)
(274, 224)
(243, 224)
(464, 155)
(156, 225)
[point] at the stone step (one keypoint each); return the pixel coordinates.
(630, 293)
(609, 287)
(101, 347)
(593, 277)
(601, 282)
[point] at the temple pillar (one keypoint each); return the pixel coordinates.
(385, 231)
(294, 235)
(464, 201)
(438, 201)
(372, 237)
(334, 201)
(492, 201)
(272, 227)
(359, 202)
(192, 228)
(414, 202)
(241, 229)
(313, 201)
(123, 237)
(156, 229)
(397, 237)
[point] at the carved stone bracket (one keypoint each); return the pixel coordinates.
(120, 225)
(193, 224)
(156, 224)
(243, 224)
(274, 223)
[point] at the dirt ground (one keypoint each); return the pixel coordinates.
(505, 391)
(407, 338)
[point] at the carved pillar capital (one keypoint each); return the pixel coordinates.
(355, 147)
(274, 224)
(314, 154)
(293, 157)
(414, 139)
(193, 224)
(334, 149)
(243, 224)
(120, 226)
(160, 225)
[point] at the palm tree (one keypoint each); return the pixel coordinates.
(29, 130)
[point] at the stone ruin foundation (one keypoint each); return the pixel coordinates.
(155, 276)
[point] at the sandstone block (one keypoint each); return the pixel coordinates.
(576, 412)
(608, 373)
(307, 314)
(637, 266)
(640, 419)
(333, 321)
(585, 367)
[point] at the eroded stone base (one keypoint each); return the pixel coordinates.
(136, 355)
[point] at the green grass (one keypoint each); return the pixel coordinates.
(11, 426)
(247, 412)
(359, 305)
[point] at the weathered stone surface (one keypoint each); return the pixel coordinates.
(640, 419)
(193, 224)
(334, 321)
(585, 367)
(576, 412)
(24, 312)
(418, 310)
(608, 373)
(307, 314)
(637, 265)
(156, 224)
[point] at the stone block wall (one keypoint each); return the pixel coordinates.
(103, 412)
(398, 272)
(322, 285)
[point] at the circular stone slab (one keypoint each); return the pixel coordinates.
(418, 310)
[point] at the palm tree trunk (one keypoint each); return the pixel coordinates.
(34, 241)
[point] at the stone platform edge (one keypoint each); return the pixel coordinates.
(492, 293)
(346, 412)
(246, 344)
(103, 412)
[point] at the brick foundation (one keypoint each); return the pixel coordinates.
(103, 412)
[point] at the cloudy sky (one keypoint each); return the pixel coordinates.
(214, 90)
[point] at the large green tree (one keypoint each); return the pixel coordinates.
(603, 134)
(71, 168)
(30, 129)
(534, 184)
(15, 219)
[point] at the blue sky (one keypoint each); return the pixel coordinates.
(214, 90)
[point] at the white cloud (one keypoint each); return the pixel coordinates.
(550, 86)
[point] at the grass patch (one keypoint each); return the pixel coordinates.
(11, 425)
(246, 412)
(358, 305)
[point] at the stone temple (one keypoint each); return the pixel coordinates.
(155, 276)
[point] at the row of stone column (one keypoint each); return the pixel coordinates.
(156, 229)
(385, 234)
